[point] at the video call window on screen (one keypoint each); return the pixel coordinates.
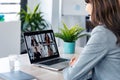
(41, 46)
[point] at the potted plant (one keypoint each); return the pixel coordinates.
(31, 21)
(69, 36)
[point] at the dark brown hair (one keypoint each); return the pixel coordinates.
(87, 1)
(106, 12)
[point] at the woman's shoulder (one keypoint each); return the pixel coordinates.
(104, 33)
(99, 28)
(102, 29)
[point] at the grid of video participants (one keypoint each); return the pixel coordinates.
(41, 46)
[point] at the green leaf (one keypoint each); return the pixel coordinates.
(36, 8)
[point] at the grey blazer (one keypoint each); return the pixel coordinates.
(100, 53)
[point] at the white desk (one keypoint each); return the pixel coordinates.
(40, 73)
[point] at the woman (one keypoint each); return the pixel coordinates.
(33, 41)
(102, 52)
(47, 39)
(37, 54)
(49, 47)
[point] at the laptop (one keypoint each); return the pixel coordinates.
(43, 51)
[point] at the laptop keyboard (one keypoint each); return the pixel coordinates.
(55, 61)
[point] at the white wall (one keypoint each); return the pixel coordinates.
(73, 7)
(9, 38)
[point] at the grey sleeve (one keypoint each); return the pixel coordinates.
(93, 52)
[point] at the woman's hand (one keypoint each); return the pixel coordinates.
(73, 60)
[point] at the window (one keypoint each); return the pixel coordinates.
(9, 10)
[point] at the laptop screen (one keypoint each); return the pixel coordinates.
(41, 45)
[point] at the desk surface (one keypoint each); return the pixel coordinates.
(39, 73)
